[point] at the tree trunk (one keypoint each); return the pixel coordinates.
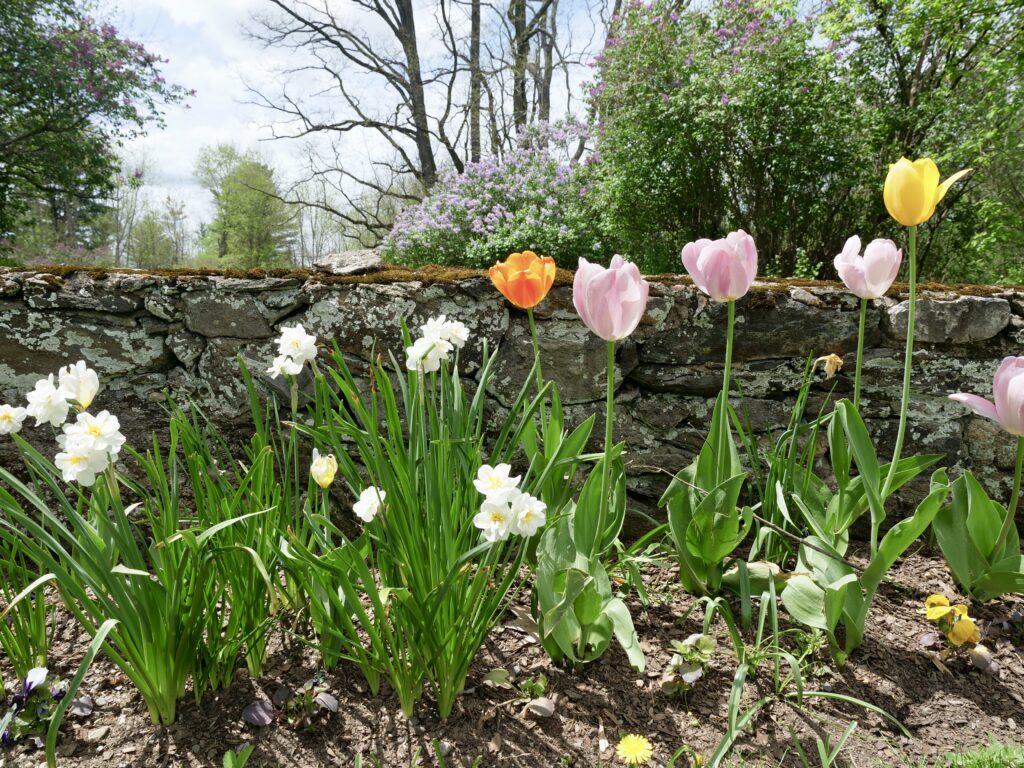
(424, 149)
(475, 81)
(520, 59)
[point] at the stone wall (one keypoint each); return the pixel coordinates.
(182, 332)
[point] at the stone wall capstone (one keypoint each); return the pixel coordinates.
(147, 334)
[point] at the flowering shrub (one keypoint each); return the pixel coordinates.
(708, 114)
(536, 196)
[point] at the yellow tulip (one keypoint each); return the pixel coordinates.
(912, 190)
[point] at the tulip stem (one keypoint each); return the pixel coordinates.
(860, 352)
(606, 469)
(1011, 510)
(907, 362)
(536, 358)
(731, 315)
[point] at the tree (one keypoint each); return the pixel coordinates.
(70, 89)
(724, 117)
(150, 243)
(420, 106)
(254, 225)
(944, 78)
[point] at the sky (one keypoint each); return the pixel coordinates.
(207, 51)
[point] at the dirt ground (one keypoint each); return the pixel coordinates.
(945, 707)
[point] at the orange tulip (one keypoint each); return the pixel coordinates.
(524, 278)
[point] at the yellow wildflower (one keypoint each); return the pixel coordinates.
(634, 749)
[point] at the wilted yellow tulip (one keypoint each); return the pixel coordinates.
(912, 190)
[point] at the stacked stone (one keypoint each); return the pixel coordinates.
(148, 334)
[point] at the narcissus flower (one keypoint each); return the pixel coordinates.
(451, 332)
(101, 433)
(79, 383)
(284, 366)
(723, 269)
(47, 403)
(610, 301)
(1008, 393)
(871, 275)
(440, 337)
(831, 364)
(496, 481)
(323, 468)
(912, 190)
(295, 343)
(80, 464)
(524, 278)
(528, 515)
(11, 419)
(426, 354)
(370, 502)
(494, 519)
(634, 749)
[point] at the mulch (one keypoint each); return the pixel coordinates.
(946, 706)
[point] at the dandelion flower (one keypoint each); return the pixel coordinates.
(634, 749)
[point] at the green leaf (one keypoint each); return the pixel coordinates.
(625, 633)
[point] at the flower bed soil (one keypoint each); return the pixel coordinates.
(945, 706)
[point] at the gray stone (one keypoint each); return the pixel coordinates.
(356, 262)
(80, 291)
(162, 306)
(34, 343)
(573, 357)
(186, 347)
(213, 314)
(962, 320)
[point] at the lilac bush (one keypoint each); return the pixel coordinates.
(535, 197)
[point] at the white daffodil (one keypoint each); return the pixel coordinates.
(284, 366)
(494, 519)
(426, 354)
(458, 333)
(495, 482)
(323, 468)
(79, 383)
(440, 328)
(101, 432)
(79, 463)
(528, 514)
(370, 502)
(295, 343)
(435, 329)
(47, 404)
(11, 419)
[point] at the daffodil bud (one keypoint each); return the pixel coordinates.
(323, 468)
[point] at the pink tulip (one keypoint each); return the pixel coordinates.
(724, 269)
(610, 301)
(1008, 392)
(869, 276)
